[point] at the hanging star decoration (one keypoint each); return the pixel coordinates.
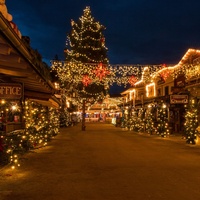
(132, 80)
(165, 73)
(86, 80)
(101, 71)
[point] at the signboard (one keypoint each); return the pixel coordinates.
(175, 90)
(180, 81)
(10, 91)
(178, 99)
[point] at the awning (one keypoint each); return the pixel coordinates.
(49, 103)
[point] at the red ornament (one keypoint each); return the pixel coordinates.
(101, 72)
(165, 72)
(103, 40)
(86, 80)
(132, 80)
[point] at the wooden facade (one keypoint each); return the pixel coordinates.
(23, 75)
(174, 86)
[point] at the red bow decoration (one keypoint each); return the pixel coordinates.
(101, 72)
(132, 80)
(86, 80)
(164, 73)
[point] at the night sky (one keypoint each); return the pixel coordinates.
(137, 31)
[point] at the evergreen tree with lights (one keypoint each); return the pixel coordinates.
(191, 122)
(150, 120)
(42, 123)
(134, 125)
(162, 119)
(87, 54)
(86, 45)
(86, 42)
(137, 120)
(141, 119)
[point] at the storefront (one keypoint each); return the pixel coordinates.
(11, 96)
(24, 77)
(177, 112)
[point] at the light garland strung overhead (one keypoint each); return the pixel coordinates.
(110, 74)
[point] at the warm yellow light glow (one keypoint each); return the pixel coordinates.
(132, 94)
(68, 104)
(141, 81)
(3, 101)
(57, 86)
(14, 107)
(150, 90)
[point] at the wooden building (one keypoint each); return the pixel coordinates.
(172, 85)
(23, 76)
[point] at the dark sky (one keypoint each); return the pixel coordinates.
(137, 31)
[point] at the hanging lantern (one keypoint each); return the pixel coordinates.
(86, 80)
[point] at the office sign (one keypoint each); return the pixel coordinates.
(10, 91)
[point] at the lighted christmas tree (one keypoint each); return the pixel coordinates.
(163, 127)
(65, 119)
(137, 120)
(86, 46)
(149, 118)
(86, 42)
(133, 121)
(86, 72)
(191, 122)
(42, 123)
(141, 120)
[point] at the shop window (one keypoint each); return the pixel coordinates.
(10, 114)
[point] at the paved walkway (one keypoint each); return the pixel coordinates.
(106, 163)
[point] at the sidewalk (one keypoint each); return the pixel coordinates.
(176, 137)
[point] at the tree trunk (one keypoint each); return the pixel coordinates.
(83, 116)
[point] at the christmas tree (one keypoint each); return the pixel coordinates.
(191, 122)
(85, 73)
(86, 49)
(163, 127)
(137, 120)
(150, 119)
(86, 42)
